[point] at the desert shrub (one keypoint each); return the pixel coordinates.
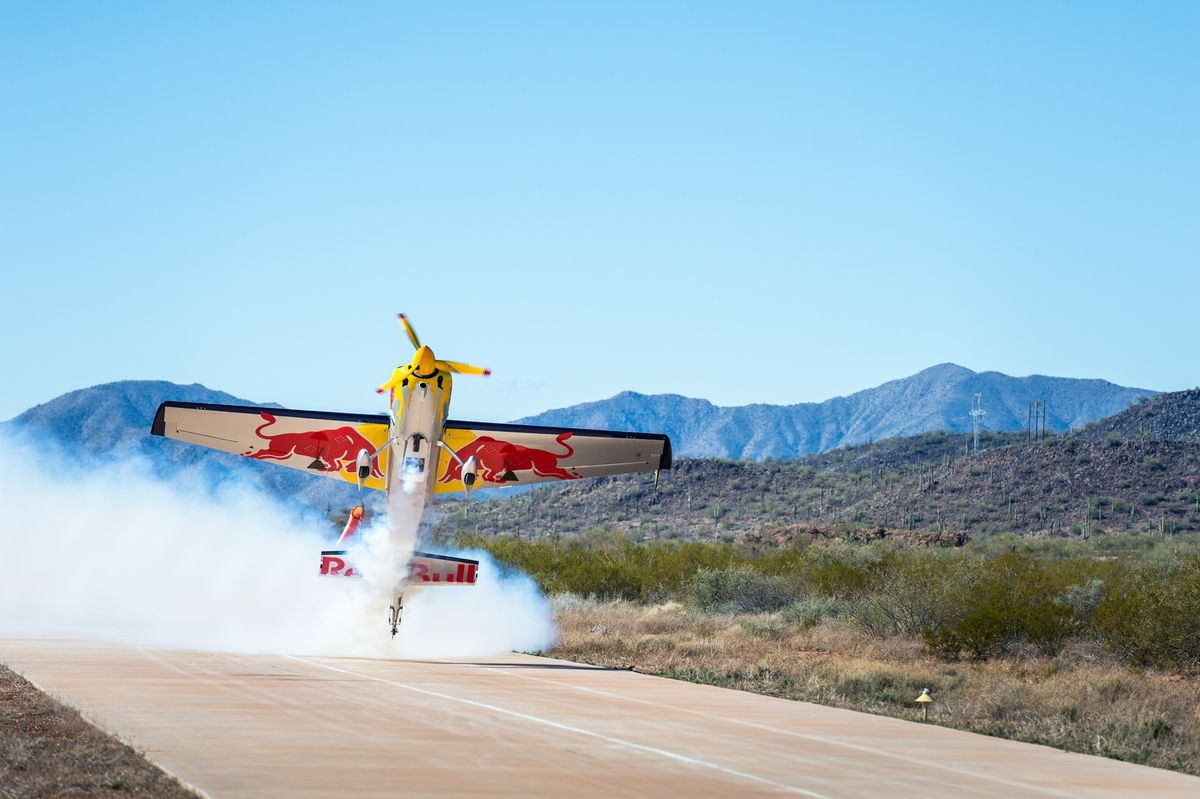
(903, 593)
(1138, 595)
(1083, 599)
(836, 577)
(1001, 601)
(608, 567)
(812, 610)
(616, 567)
(739, 590)
(1149, 616)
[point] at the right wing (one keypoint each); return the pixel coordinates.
(318, 442)
(517, 454)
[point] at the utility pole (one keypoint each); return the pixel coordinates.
(1036, 425)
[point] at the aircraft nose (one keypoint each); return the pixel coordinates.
(425, 361)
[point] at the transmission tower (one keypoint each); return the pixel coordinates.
(977, 413)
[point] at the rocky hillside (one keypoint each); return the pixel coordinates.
(1057, 487)
(938, 398)
(1166, 417)
(1138, 472)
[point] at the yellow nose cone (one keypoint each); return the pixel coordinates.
(424, 362)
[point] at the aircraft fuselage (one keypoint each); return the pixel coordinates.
(420, 400)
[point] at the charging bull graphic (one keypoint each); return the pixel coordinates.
(499, 459)
(332, 450)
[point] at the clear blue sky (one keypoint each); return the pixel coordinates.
(773, 202)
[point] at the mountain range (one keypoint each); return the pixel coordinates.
(938, 398)
(112, 421)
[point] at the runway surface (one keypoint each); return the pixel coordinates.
(271, 725)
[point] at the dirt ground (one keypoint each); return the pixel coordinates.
(49, 750)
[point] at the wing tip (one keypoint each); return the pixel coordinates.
(159, 426)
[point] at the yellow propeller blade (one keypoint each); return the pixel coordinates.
(392, 382)
(408, 328)
(463, 368)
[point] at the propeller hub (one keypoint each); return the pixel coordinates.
(424, 362)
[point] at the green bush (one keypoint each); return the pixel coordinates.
(1151, 616)
(615, 567)
(999, 602)
(812, 610)
(1083, 599)
(903, 593)
(738, 590)
(1138, 595)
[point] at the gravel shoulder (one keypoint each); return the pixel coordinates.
(48, 750)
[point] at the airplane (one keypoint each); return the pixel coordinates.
(411, 453)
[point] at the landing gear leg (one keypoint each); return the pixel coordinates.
(394, 614)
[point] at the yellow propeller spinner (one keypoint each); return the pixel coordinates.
(425, 363)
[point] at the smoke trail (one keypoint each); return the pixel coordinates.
(110, 552)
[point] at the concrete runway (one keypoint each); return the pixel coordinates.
(271, 725)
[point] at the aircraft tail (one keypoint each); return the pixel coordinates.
(425, 569)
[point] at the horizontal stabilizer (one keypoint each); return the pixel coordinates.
(425, 569)
(429, 569)
(335, 564)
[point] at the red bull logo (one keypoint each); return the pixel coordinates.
(499, 460)
(424, 568)
(438, 570)
(334, 564)
(333, 450)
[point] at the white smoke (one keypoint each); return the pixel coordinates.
(110, 552)
(412, 480)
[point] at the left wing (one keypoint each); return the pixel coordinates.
(318, 442)
(515, 454)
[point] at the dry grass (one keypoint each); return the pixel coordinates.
(1081, 700)
(48, 750)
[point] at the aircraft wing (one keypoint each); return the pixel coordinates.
(515, 454)
(316, 441)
